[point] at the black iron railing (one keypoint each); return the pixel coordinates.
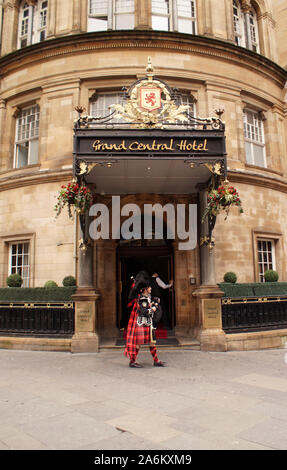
(254, 314)
(41, 318)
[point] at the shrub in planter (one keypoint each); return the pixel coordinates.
(14, 280)
(230, 277)
(69, 281)
(271, 276)
(50, 284)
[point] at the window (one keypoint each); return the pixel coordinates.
(245, 27)
(266, 257)
(254, 138)
(238, 25)
(186, 16)
(27, 133)
(174, 15)
(124, 14)
(161, 15)
(42, 23)
(110, 14)
(32, 23)
(19, 261)
(253, 31)
(187, 98)
(25, 27)
(99, 104)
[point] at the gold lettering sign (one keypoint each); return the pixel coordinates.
(184, 145)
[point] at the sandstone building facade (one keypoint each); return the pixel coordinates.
(57, 55)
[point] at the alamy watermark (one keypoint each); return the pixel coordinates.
(180, 222)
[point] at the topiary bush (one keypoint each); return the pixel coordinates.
(14, 280)
(271, 276)
(230, 277)
(50, 284)
(69, 281)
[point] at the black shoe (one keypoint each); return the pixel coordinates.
(159, 364)
(135, 365)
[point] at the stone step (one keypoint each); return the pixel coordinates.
(168, 343)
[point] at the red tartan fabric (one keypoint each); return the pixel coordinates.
(136, 334)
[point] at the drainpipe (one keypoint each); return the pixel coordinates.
(75, 247)
(1, 19)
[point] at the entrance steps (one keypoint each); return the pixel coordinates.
(170, 342)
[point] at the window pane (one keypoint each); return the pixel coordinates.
(186, 8)
(186, 26)
(33, 157)
(98, 7)
(248, 153)
(97, 24)
(160, 23)
(124, 21)
(258, 152)
(122, 6)
(160, 6)
(22, 155)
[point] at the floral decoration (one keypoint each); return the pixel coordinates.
(220, 200)
(75, 195)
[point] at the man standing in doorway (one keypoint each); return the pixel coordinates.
(156, 285)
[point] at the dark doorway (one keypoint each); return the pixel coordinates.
(131, 260)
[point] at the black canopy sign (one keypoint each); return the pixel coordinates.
(134, 143)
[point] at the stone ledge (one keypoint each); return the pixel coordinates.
(256, 340)
(35, 344)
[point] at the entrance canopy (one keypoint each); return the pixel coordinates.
(130, 161)
(148, 144)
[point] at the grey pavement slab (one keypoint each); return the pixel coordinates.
(200, 401)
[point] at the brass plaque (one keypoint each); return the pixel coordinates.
(84, 317)
(211, 313)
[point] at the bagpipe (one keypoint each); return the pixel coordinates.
(149, 314)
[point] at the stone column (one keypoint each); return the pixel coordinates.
(86, 338)
(3, 160)
(208, 295)
(9, 28)
(143, 14)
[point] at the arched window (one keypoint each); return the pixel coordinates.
(245, 26)
(110, 14)
(32, 22)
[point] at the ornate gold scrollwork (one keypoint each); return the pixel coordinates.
(207, 241)
(86, 168)
(215, 169)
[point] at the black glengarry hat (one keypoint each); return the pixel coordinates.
(142, 281)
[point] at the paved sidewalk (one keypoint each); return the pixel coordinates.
(202, 400)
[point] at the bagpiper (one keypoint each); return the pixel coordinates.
(140, 328)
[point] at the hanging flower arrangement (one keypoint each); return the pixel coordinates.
(220, 200)
(75, 195)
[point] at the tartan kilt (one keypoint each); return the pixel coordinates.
(136, 334)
